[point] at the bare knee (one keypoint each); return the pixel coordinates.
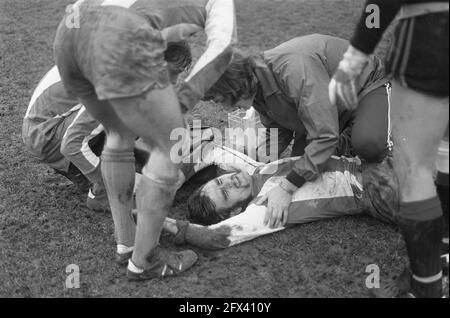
(161, 167)
(119, 140)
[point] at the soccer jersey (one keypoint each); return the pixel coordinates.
(56, 120)
(345, 188)
(366, 37)
(102, 51)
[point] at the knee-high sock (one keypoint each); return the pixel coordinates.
(118, 172)
(421, 226)
(442, 189)
(154, 200)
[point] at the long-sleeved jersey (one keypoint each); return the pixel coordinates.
(345, 188)
(179, 19)
(293, 97)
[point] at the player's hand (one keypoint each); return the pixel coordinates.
(278, 202)
(342, 86)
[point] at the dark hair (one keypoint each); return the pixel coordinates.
(237, 82)
(201, 209)
(179, 55)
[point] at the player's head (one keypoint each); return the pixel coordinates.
(178, 57)
(218, 198)
(236, 87)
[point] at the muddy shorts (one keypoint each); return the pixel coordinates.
(418, 57)
(114, 53)
(381, 191)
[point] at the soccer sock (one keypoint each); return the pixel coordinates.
(442, 189)
(442, 186)
(154, 200)
(421, 226)
(118, 175)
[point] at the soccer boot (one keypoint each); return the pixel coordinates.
(164, 263)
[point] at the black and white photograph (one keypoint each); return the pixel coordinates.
(224, 154)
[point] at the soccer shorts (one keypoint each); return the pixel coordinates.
(418, 57)
(114, 53)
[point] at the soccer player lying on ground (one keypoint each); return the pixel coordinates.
(60, 133)
(224, 212)
(288, 86)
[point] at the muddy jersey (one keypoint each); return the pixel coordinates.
(177, 20)
(346, 188)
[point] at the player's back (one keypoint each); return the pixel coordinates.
(160, 14)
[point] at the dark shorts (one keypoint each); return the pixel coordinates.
(418, 57)
(114, 53)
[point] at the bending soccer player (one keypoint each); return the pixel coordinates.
(418, 64)
(288, 86)
(113, 63)
(59, 132)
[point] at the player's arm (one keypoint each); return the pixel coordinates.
(237, 229)
(220, 29)
(317, 114)
(284, 136)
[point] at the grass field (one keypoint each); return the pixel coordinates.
(45, 226)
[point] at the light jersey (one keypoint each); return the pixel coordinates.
(50, 105)
(50, 99)
(179, 19)
(337, 192)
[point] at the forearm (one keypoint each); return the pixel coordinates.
(312, 163)
(197, 235)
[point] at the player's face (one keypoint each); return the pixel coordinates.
(229, 190)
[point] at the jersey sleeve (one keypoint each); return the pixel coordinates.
(220, 29)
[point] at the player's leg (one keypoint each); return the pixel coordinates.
(118, 170)
(82, 144)
(153, 116)
(419, 122)
(370, 127)
(43, 140)
(442, 190)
